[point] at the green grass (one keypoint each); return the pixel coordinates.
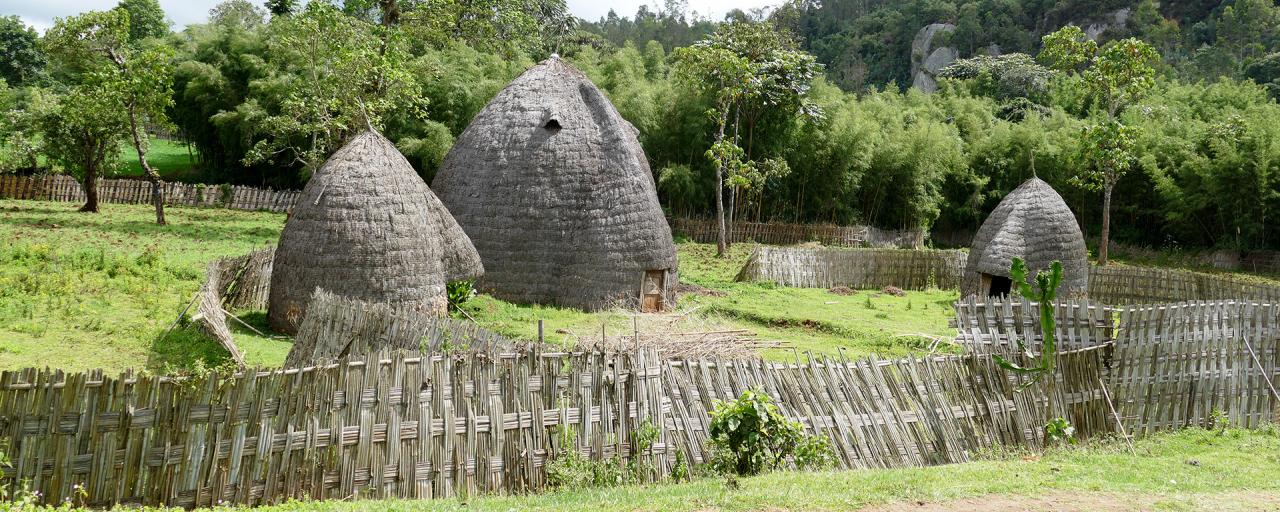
(169, 158)
(82, 291)
(1193, 469)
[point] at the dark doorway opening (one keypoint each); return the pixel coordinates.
(1000, 286)
(552, 126)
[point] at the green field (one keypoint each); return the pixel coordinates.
(169, 158)
(81, 291)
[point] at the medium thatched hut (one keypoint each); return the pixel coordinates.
(1035, 224)
(366, 227)
(553, 188)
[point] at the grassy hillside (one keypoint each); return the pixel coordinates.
(84, 291)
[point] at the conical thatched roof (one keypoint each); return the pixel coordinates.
(556, 193)
(1035, 224)
(367, 228)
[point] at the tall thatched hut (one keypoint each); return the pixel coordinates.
(366, 227)
(553, 188)
(1035, 224)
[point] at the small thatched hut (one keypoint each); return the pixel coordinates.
(553, 188)
(366, 227)
(1035, 224)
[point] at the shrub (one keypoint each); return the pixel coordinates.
(459, 292)
(750, 435)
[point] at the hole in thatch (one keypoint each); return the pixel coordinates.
(999, 286)
(552, 126)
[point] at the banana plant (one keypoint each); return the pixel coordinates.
(1044, 292)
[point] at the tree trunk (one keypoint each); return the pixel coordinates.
(1106, 223)
(722, 242)
(90, 186)
(157, 190)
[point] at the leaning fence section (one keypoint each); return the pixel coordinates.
(419, 425)
(1175, 365)
(781, 233)
(855, 268)
(882, 413)
(131, 191)
(241, 282)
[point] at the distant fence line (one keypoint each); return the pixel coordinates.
(781, 233)
(129, 191)
(1173, 364)
(419, 426)
(856, 268)
(1122, 284)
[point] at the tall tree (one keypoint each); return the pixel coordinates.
(747, 68)
(334, 74)
(146, 19)
(138, 79)
(1114, 77)
(281, 7)
(21, 59)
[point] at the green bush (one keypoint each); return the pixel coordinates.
(750, 435)
(459, 292)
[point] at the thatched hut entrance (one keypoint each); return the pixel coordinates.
(653, 291)
(996, 286)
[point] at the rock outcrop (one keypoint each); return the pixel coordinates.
(926, 60)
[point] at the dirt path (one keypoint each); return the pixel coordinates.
(1070, 501)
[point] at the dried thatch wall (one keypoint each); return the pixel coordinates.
(368, 228)
(1035, 224)
(553, 188)
(240, 282)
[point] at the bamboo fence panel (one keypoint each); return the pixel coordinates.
(334, 327)
(1174, 365)
(779, 233)
(997, 324)
(1178, 364)
(1148, 285)
(880, 413)
(855, 268)
(403, 425)
(132, 191)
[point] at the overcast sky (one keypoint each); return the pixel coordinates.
(40, 13)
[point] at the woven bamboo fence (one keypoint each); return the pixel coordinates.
(129, 191)
(995, 325)
(780, 233)
(1174, 365)
(420, 426)
(386, 426)
(882, 413)
(1148, 285)
(335, 327)
(855, 268)
(241, 282)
